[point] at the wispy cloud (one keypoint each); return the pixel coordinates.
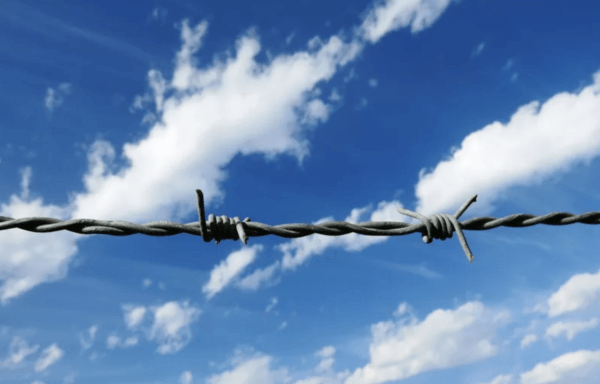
(271, 305)
(225, 272)
(55, 97)
(159, 13)
(17, 352)
(48, 357)
(477, 51)
(288, 39)
(113, 341)
(570, 329)
(186, 378)
(87, 341)
(32, 19)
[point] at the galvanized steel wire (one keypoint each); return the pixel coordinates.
(437, 226)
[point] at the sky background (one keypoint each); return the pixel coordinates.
(299, 112)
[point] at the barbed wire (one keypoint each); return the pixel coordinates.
(437, 226)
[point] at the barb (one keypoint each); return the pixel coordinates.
(438, 226)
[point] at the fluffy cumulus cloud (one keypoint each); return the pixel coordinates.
(445, 338)
(27, 258)
(134, 315)
(255, 370)
(233, 106)
(399, 349)
(326, 354)
(171, 326)
(499, 156)
(324, 369)
(579, 292)
(581, 367)
(186, 378)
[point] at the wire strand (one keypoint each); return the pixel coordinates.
(437, 226)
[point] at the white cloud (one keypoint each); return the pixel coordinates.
(261, 276)
(146, 283)
(362, 103)
(55, 97)
(185, 70)
(186, 378)
(171, 326)
(271, 305)
(256, 370)
(113, 341)
(225, 272)
(499, 156)
(314, 43)
(134, 315)
(578, 293)
(306, 247)
(373, 83)
(27, 258)
(87, 341)
(288, 39)
(403, 308)
(234, 106)
(299, 250)
(37, 382)
(570, 328)
(70, 378)
(392, 15)
(159, 13)
(501, 379)
(446, 338)
(325, 373)
(581, 367)
(327, 359)
(477, 51)
(351, 75)
(17, 352)
(48, 357)
(528, 339)
(130, 342)
(335, 96)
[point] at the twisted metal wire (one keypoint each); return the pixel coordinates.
(437, 226)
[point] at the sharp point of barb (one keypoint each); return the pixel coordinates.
(439, 226)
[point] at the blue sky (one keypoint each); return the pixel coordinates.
(299, 112)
